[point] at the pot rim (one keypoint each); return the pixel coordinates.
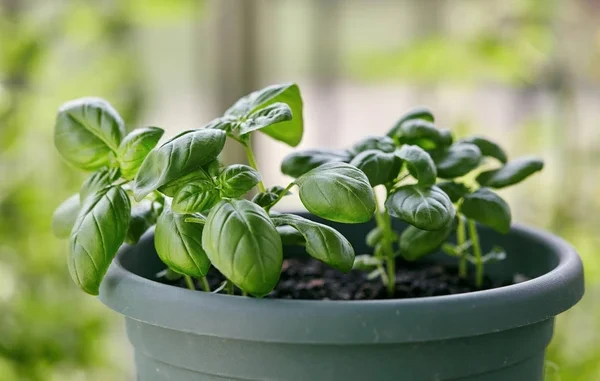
(350, 322)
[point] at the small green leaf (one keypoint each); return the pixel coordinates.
(322, 242)
(195, 197)
(374, 236)
(427, 208)
(135, 147)
(199, 175)
(488, 208)
(179, 244)
(264, 117)
(454, 190)
(237, 179)
(143, 216)
(457, 160)
(513, 172)
(380, 167)
(416, 243)
(422, 133)
(337, 192)
(226, 123)
(64, 217)
(298, 163)
(98, 180)
(177, 158)
(267, 198)
(289, 132)
(420, 112)
(419, 164)
(366, 262)
(290, 236)
(381, 143)
(488, 148)
(97, 234)
(243, 244)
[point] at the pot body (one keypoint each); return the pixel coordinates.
(494, 335)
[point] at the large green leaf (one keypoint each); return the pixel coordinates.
(457, 160)
(416, 243)
(96, 181)
(289, 132)
(422, 133)
(513, 172)
(87, 132)
(322, 242)
(488, 148)
(290, 236)
(143, 216)
(97, 234)
(264, 117)
(242, 242)
(135, 147)
(64, 216)
(419, 112)
(237, 179)
(381, 143)
(179, 244)
(298, 163)
(426, 207)
(198, 175)
(380, 167)
(488, 208)
(176, 158)
(419, 164)
(337, 192)
(198, 196)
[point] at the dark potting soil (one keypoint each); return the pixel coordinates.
(310, 279)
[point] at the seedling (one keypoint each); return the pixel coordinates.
(198, 206)
(436, 185)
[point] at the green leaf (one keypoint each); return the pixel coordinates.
(322, 242)
(290, 236)
(135, 147)
(454, 190)
(416, 243)
(513, 172)
(446, 137)
(366, 262)
(199, 175)
(264, 117)
(87, 132)
(226, 123)
(298, 163)
(422, 133)
(419, 112)
(97, 181)
(177, 158)
(143, 216)
(457, 160)
(374, 236)
(419, 164)
(237, 179)
(337, 192)
(267, 198)
(426, 207)
(195, 197)
(289, 132)
(380, 167)
(488, 148)
(64, 217)
(179, 244)
(243, 244)
(381, 143)
(486, 207)
(98, 233)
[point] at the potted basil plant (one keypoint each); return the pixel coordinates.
(444, 287)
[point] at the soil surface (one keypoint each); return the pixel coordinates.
(310, 279)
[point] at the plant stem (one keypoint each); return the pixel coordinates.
(204, 284)
(252, 162)
(384, 223)
(461, 238)
(229, 287)
(189, 282)
(476, 253)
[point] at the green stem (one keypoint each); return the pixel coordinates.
(229, 287)
(384, 223)
(461, 238)
(252, 162)
(204, 284)
(476, 253)
(189, 282)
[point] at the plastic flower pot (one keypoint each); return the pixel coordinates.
(494, 335)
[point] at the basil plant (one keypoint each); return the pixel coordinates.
(437, 185)
(200, 207)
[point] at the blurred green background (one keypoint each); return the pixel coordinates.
(524, 72)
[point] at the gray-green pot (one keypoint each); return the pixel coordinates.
(494, 335)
